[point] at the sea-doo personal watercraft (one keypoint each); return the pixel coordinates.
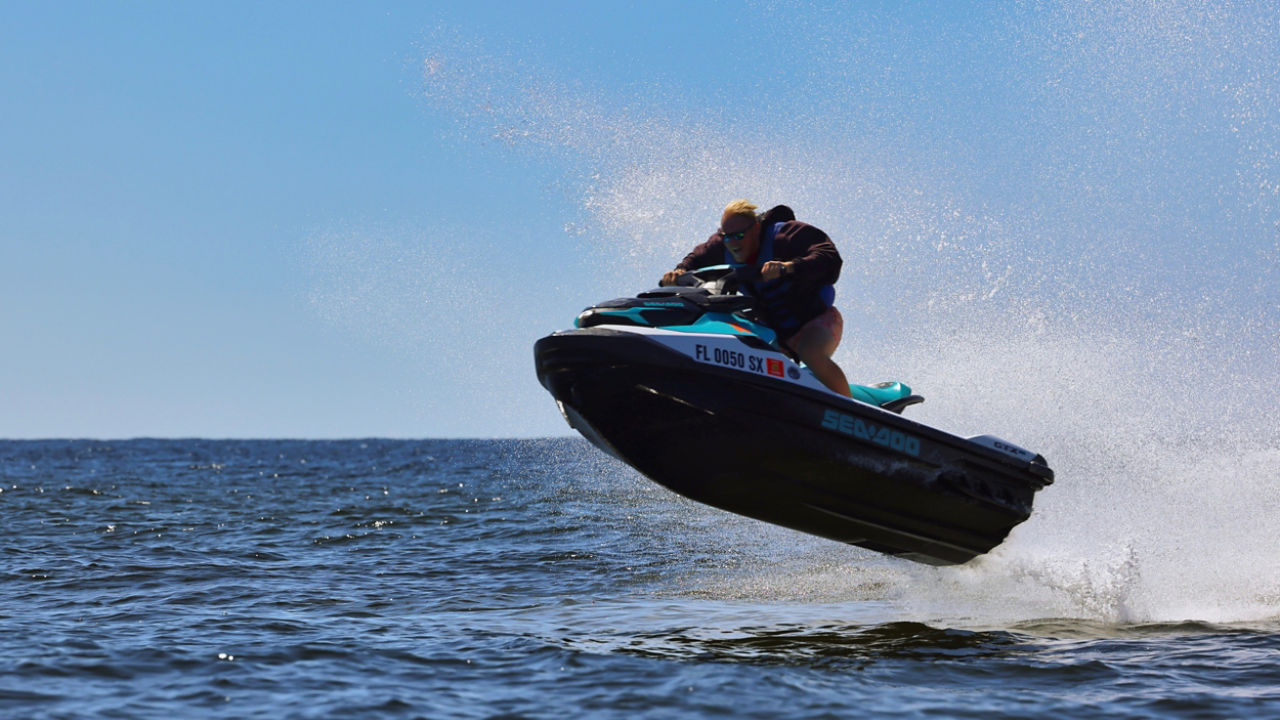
(683, 385)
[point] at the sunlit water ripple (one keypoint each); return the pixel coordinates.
(516, 578)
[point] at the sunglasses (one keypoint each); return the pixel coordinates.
(734, 236)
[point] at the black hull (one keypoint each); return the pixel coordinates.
(788, 455)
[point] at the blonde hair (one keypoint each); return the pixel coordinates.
(740, 208)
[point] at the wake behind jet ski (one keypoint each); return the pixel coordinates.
(683, 385)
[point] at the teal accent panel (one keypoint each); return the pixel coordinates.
(724, 324)
(880, 393)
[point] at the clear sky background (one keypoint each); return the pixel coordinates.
(316, 219)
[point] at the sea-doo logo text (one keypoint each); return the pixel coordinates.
(878, 434)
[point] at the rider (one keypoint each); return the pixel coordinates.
(789, 267)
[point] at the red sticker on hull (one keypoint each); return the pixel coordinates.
(775, 367)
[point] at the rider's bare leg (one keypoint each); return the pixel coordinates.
(815, 342)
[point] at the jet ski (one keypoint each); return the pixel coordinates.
(684, 385)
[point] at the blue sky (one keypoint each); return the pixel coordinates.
(353, 219)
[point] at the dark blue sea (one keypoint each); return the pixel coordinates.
(540, 579)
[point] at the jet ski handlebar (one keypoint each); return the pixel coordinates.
(716, 279)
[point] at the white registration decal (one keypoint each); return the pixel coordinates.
(739, 360)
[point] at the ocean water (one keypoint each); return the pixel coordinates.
(539, 578)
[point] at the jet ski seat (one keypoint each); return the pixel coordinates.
(892, 396)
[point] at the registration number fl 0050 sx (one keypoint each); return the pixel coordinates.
(739, 360)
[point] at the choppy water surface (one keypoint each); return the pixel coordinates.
(537, 578)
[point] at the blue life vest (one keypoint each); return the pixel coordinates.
(776, 299)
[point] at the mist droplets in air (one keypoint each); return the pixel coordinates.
(1078, 253)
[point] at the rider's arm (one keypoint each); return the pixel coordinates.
(814, 257)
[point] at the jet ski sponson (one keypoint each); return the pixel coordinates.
(683, 385)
